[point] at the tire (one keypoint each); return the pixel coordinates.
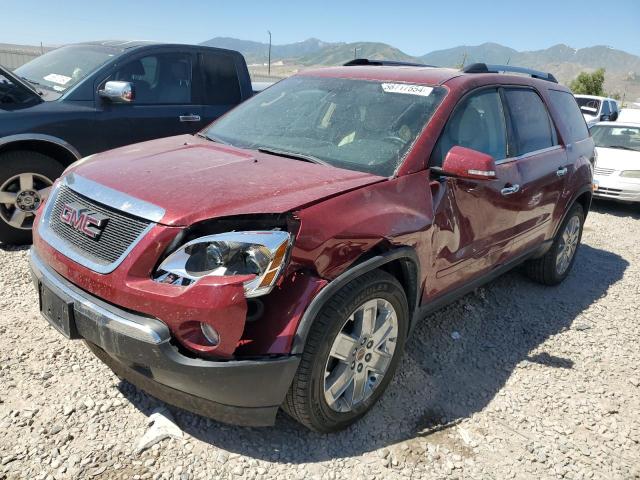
(546, 269)
(306, 400)
(43, 170)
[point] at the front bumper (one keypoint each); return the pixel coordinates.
(614, 187)
(140, 349)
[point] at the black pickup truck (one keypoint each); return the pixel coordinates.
(85, 98)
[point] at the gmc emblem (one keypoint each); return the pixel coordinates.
(83, 220)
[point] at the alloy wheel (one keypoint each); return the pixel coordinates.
(568, 244)
(20, 197)
(360, 355)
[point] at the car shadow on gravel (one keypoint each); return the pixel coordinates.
(455, 363)
(618, 209)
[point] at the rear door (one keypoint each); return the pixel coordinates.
(166, 100)
(541, 162)
(475, 220)
(221, 89)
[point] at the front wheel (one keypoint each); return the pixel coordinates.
(351, 354)
(25, 181)
(554, 266)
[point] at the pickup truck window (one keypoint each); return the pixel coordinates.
(159, 79)
(359, 125)
(220, 86)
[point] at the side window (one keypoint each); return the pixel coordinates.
(567, 108)
(530, 123)
(160, 79)
(221, 85)
(477, 123)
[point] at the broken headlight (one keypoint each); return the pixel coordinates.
(260, 254)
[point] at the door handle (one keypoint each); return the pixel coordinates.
(189, 118)
(561, 172)
(510, 190)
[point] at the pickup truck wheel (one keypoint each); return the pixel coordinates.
(25, 181)
(555, 265)
(351, 354)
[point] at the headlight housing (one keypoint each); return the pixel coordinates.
(258, 254)
(630, 173)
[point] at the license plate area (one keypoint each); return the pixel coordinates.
(57, 308)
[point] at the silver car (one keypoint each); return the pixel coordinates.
(617, 168)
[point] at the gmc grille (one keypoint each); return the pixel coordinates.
(120, 232)
(603, 171)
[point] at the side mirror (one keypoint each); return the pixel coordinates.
(605, 117)
(464, 162)
(118, 92)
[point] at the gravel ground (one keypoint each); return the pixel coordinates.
(514, 381)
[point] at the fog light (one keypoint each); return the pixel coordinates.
(210, 334)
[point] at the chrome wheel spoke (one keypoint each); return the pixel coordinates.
(337, 383)
(8, 198)
(385, 331)
(343, 346)
(379, 362)
(26, 181)
(359, 387)
(366, 318)
(17, 218)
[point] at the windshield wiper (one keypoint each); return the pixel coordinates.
(294, 155)
(35, 84)
(211, 139)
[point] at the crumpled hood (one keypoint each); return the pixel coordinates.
(194, 179)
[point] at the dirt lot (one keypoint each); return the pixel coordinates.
(513, 381)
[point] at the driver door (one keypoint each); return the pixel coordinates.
(474, 220)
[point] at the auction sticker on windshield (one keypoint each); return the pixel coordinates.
(407, 88)
(56, 78)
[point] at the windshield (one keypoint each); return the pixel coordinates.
(64, 67)
(590, 106)
(625, 138)
(354, 124)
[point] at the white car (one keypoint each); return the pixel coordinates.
(617, 168)
(595, 109)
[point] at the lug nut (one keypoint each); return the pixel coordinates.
(367, 357)
(370, 344)
(353, 365)
(363, 341)
(359, 367)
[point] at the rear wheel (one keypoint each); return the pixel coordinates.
(25, 181)
(555, 265)
(351, 354)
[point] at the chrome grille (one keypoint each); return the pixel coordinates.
(120, 232)
(603, 171)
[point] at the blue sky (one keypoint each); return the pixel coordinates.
(414, 26)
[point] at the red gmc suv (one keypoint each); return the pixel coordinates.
(282, 256)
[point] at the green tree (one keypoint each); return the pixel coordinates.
(589, 83)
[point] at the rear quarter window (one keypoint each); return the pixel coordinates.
(221, 84)
(575, 128)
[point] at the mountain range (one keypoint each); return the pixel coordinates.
(622, 68)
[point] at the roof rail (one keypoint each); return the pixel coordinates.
(378, 63)
(485, 68)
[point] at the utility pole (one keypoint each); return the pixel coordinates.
(355, 52)
(269, 32)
